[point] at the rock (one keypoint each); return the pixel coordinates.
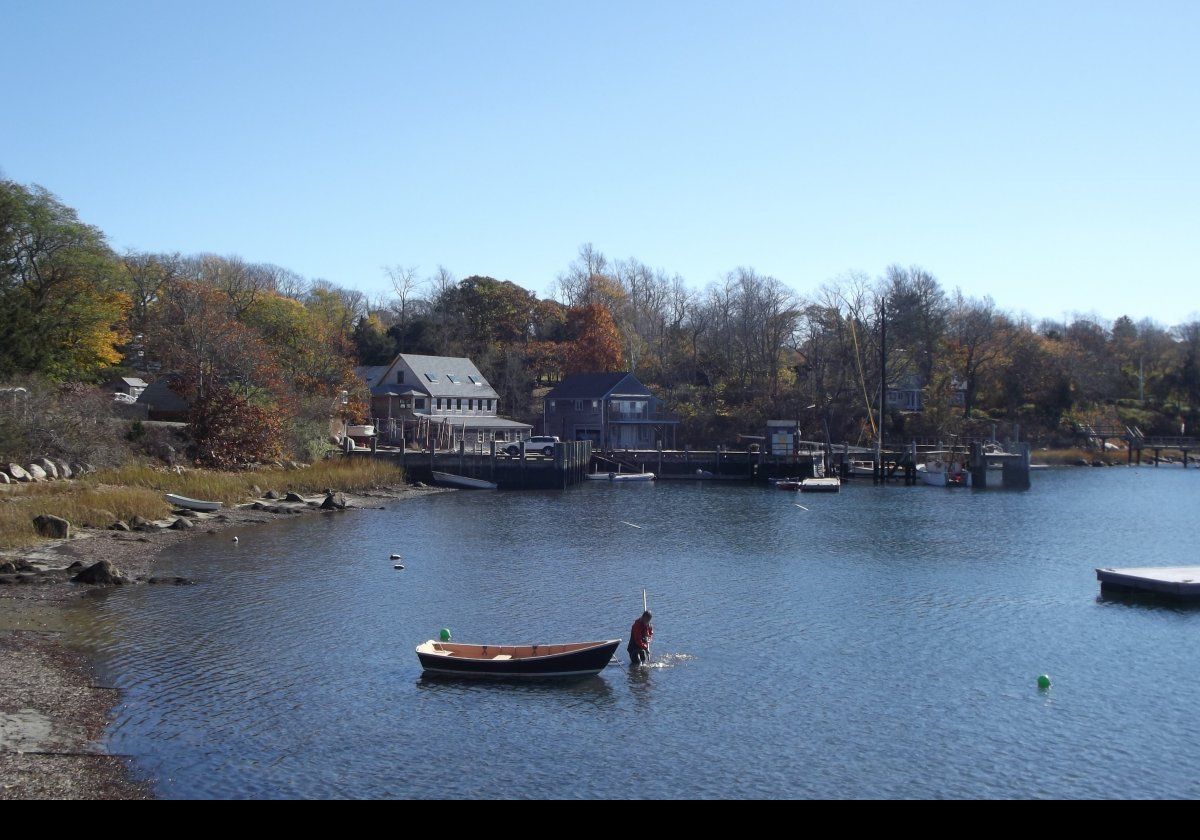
(258, 506)
(420, 485)
(36, 473)
(270, 494)
(7, 580)
(76, 469)
(1099, 463)
(170, 581)
(17, 473)
(103, 573)
(137, 523)
(256, 491)
(7, 568)
(78, 564)
(334, 501)
(1082, 463)
(181, 525)
(4, 479)
(293, 497)
(54, 527)
(64, 469)
(119, 526)
(24, 565)
(185, 512)
(48, 467)
(88, 468)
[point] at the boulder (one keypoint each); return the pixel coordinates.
(4, 479)
(36, 473)
(181, 525)
(17, 473)
(293, 497)
(270, 494)
(7, 568)
(334, 501)
(54, 527)
(76, 469)
(88, 468)
(103, 573)
(48, 467)
(64, 469)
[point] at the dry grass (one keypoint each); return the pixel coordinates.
(100, 499)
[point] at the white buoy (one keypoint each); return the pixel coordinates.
(398, 567)
(395, 557)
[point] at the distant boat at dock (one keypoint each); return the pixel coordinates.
(615, 476)
(463, 482)
(821, 485)
(941, 474)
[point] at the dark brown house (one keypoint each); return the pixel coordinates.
(612, 410)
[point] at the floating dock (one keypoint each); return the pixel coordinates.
(1176, 581)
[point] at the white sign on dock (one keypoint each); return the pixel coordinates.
(1166, 580)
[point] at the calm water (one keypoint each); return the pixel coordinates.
(884, 642)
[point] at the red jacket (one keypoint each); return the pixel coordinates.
(640, 635)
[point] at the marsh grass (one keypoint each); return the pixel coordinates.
(104, 497)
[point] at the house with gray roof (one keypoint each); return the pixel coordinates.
(612, 410)
(438, 396)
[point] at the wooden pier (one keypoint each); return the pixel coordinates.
(525, 471)
(1172, 581)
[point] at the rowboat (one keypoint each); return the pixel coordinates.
(191, 504)
(614, 476)
(462, 481)
(578, 659)
(792, 484)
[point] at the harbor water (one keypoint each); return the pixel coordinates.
(882, 642)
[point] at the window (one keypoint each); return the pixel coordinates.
(453, 378)
(476, 381)
(459, 405)
(553, 406)
(420, 402)
(595, 405)
(432, 377)
(579, 405)
(399, 377)
(489, 405)
(439, 402)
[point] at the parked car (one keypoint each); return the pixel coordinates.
(543, 445)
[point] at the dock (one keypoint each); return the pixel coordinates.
(526, 471)
(1175, 581)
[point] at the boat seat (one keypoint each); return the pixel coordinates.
(501, 656)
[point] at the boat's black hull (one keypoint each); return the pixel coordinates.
(581, 663)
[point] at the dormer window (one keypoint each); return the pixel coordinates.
(432, 377)
(453, 379)
(476, 381)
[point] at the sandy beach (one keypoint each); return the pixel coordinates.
(52, 712)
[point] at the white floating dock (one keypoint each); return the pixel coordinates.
(1180, 581)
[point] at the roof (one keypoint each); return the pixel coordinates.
(160, 397)
(372, 374)
(393, 391)
(481, 422)
(593, 385)
(446, 369)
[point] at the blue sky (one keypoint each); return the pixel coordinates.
(1042, 153)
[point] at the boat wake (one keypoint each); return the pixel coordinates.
(670, 660)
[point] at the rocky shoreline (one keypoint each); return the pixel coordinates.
(52, 714)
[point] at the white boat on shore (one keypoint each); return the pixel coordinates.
(191, 504)
(616, 476)
(463, 482)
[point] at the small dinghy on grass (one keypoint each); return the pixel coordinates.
(191, 504)
(578, 659)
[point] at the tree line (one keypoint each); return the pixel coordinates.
(265, 356)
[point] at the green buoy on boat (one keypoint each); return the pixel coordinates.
(1043, 681)
(444, 635)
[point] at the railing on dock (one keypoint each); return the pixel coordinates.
(567, 466)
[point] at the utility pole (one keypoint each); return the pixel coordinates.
(882, 385)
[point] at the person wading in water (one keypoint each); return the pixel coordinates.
(639, 640)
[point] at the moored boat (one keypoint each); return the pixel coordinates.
(941, 474)
(615, 476)
(191, 504)
(792, 484)
(577, 659)
(462, 481)
(821, 485)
